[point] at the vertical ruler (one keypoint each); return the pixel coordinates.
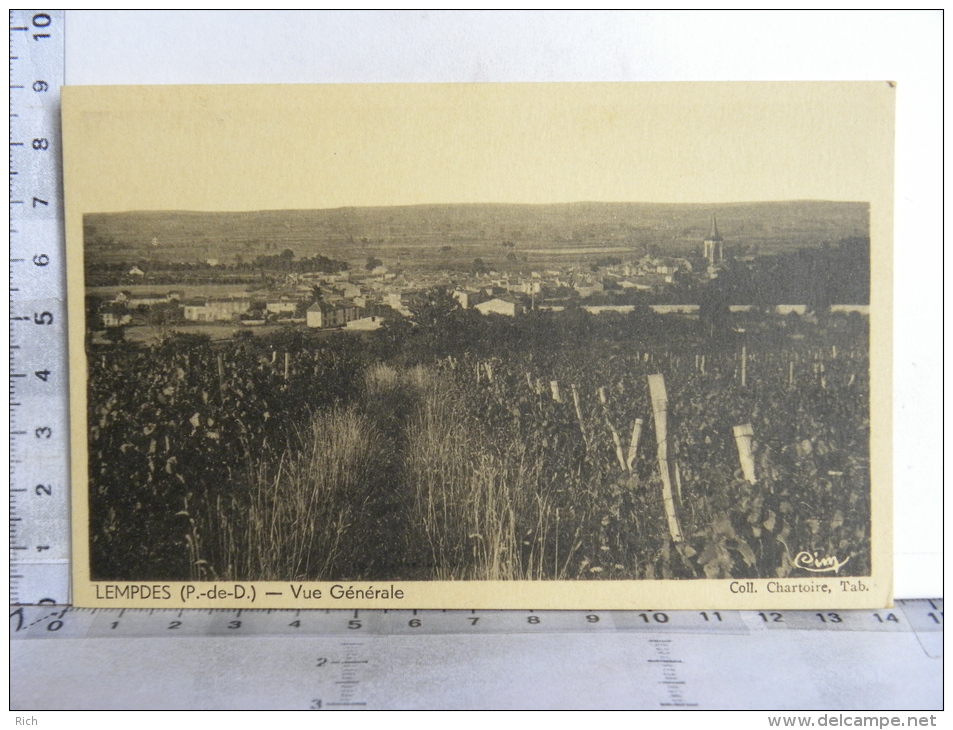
(39, 409)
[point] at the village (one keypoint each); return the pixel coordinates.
(364, 298)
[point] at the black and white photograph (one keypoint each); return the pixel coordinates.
(511, 340)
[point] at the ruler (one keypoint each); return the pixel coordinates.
(338, 659)
(39, 409)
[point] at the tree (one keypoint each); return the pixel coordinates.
(434, 307)
(714, 309)
(479, 266)
(372, 263)
(161, 317)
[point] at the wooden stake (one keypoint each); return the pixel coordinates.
(660, 412)
(287, 363)
(743, 435)
(221, 374)
(634, 444)
(791, 373)
(554, 387)
(617, 442)
(744, 364)
(582, 423)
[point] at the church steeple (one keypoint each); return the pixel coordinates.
(713, 236)
(714, 244)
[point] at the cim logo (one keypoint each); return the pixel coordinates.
(813, 563)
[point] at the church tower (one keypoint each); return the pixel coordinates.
(714, 244)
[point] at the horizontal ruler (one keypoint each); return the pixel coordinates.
(354, 660)
(49, 622)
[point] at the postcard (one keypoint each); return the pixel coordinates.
(589, 346)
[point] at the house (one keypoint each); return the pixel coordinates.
(505, 307)
(349, 291)
(215, 310)
(395, 301)
(284, 305)
(114, 315)
(322, 314)
(785, 309)
(469, 298)
(147, 300)
(849, 308)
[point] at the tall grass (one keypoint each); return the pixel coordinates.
(404, 483)
(300, 519)
(481, 499)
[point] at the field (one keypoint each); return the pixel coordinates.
(476, 449)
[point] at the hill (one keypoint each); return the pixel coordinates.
(430, 234)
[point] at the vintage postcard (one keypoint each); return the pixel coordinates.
(597, 346)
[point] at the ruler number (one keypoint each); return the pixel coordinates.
(658, 617)
(414, 623)
(775, 617)
(889, 617)
(43, 318)
(832, 618)
(41, 20)
(40, 86)
(41, 143)
(42, 489)
(43, 375)
(39, 201)
(41, 259)
(19, 616)
(43, 432)
(354, 624)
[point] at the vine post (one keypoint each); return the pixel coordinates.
(659, 398)
(743, 436)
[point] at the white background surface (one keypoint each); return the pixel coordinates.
(203, 47)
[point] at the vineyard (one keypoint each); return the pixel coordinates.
(362, 458)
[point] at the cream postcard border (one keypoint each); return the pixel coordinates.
(103, 171)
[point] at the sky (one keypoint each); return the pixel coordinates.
(324, 146)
